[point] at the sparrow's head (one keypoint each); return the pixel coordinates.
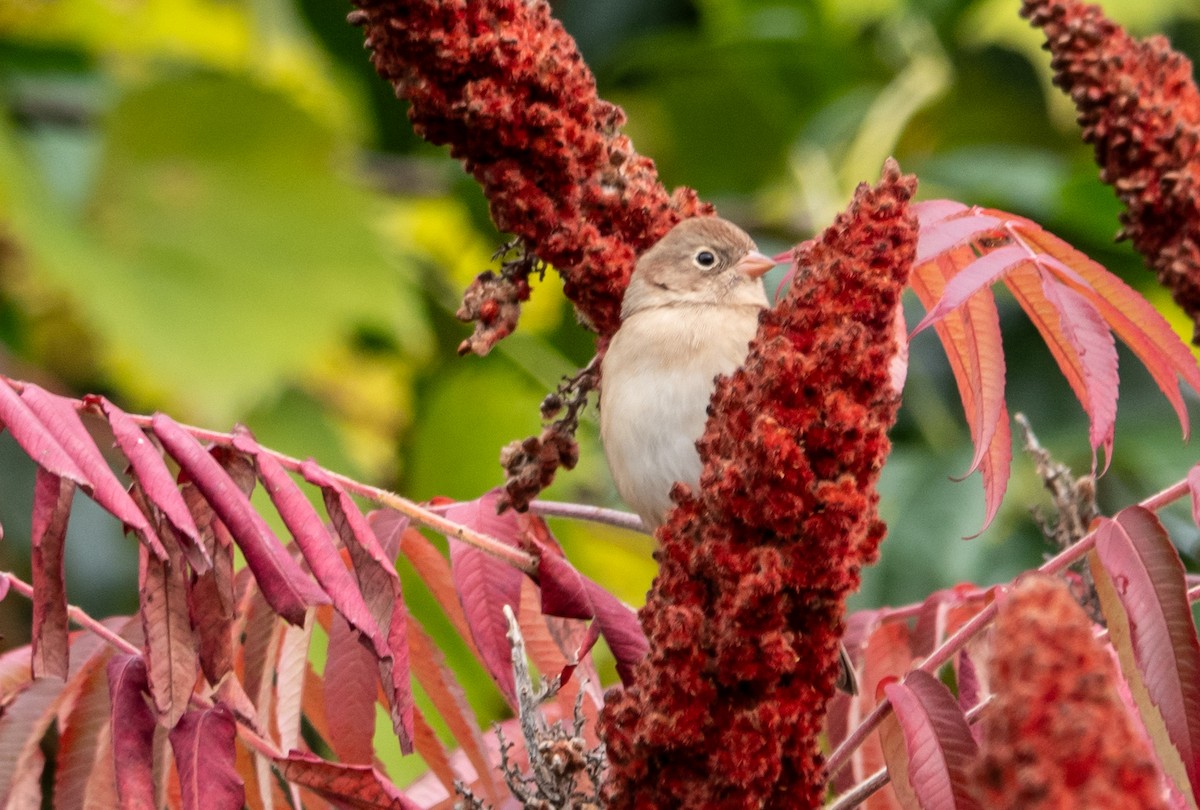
(702, 260)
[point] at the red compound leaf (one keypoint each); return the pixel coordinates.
(1075, 304)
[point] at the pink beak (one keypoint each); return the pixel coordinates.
(755, 264)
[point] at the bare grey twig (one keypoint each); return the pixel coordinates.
(1075, 508)
(1074, 498)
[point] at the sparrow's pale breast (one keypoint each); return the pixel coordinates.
(657, 378)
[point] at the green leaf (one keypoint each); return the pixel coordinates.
(238, 253)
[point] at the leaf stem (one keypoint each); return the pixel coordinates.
(76, 615)
(860, 792)
(592, 514)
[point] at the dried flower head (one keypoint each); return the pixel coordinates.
(1139, 107)
(745, 615)
(1057, 734)
(502, 83)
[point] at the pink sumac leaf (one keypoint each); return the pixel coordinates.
(170, 644)
(434, 570)
(485, 585)
(315, 543)
(574, 596)
(943, 613)
(388, 526)
(949, 231)
(289, 683)
(204, 746)
(15, 673)
(1121, 309)
(1093, 342)
(1072, 327)
(553, 645)
(260, 784)
(972, 686)
(395, 674)
(284, 584)
(429, 667)
(51, 509)
(892, 745)
(132, 731)
(314, 701)
(260, 638)
(34, 705)
(197, 554)
(350, 682)
(569, 636)
(260, 632)
(928, 745)
(79, 742)
(318, 549)
(26, 792)
(971, 338)
(429, 746)
(150, 471)
(564, 591)
(841, 715)
(931, 212)
(1074, 303)
(62, 421)
(232, 696)
(34, 438)
(1140, 580)
(101, 787)
(976, 276)
(620, 627)
(1130, 315)
(210, 590)
(886, 655)
(235, 464)
(357, 786)
(1083, 346)
(380, 587)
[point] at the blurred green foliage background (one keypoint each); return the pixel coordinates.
(215, 208)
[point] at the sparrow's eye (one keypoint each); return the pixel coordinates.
(705, 259)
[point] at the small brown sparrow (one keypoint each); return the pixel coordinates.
(689, 313)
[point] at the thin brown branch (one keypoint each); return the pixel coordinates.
(77, 615)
